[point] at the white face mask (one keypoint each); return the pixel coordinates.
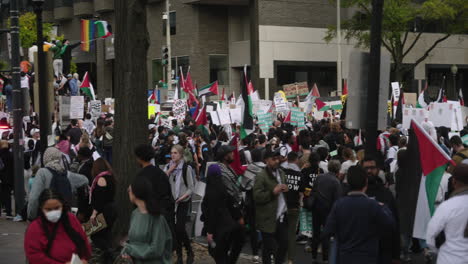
(53, 216)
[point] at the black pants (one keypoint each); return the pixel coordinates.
(228, 246)
(319, 218)
(251, 221)
(5, 198)
(180, 227)
(275, 245)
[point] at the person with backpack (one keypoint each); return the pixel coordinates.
(182, 186)
(54, 176)
(56, 234)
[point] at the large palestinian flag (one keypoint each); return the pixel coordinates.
(433, 162)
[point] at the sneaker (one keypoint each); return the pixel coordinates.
(301, 240)
(9, 217)
(256, 259)
(18, 218)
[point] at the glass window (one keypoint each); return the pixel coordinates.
(219, 69)
(172, 23)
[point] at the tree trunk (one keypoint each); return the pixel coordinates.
(131, 47)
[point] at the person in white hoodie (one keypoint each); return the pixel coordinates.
(451, 218)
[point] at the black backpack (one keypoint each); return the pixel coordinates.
(61, 184)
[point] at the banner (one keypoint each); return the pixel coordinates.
(297, 118)
(296, 89)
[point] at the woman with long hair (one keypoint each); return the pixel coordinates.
(182, 185)
(101, 198)
(149, 236)
(56, 234)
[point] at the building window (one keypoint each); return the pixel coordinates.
(172, 23)
(219, 69)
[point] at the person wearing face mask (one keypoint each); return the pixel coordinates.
(54, 162)
(182, 186)
(56, 234)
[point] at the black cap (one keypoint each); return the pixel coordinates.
(272, 153)
(224, 150)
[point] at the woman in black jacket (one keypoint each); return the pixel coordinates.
(223, 232)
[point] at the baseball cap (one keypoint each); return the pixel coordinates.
(224, 150)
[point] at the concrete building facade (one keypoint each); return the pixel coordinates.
(282, 41)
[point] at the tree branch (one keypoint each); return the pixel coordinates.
(426, 54)
(392, 51)
(412, 44)
(404, 39)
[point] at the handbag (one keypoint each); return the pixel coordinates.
(91, 229)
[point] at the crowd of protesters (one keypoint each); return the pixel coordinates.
(258, 189)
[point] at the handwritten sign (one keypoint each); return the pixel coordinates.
(179, 109)
(295, 89)
(76, 107)
(95, 108)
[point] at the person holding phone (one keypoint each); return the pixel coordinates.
(272, 220)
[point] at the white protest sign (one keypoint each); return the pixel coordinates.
(457, 117)
(214, 117)
(280, 104)
(209, 108)
(261, 106)
(224, 117)
(418, 114)
(236, 115)
(441, 114)
(179, 109)
(76, 107)
(95, 108)
(396, 90)
(255, 96)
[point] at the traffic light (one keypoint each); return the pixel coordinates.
(164, 55)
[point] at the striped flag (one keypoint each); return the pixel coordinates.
(210, 89)
(87, 88)
(88, 29)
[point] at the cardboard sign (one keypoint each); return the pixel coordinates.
(95, 108)
(296, 89)
(76, 107)
(411, 99)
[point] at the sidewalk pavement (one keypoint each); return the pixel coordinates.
(12, 252)
(11, 241)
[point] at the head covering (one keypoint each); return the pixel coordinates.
(224, 150)
(53, 158)
(272, 153)
(34, 131)
(214, 170)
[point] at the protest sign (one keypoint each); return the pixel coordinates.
(296, 89)
(261, 106)
(95, 108)
(280, 103)
(265, 121)
(152, 110)
(255, 96)
(224, 117)
(179, 109)
(64, 108)
(76, 107)
(417, 114)
(214, 117)
(396, 90)
(411, 99)
(440, 114)
(236, 115)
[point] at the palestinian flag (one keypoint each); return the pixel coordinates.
(315, 91)
(320, 105)
(103, 29)
(210, 89)
(87, 88)
(236, 164)
(188, 84)
(287, 119)
(433, 162)
(153, 99)
(202, 120)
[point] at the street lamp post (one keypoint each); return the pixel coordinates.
(454, 70)
(44, 116)
(18, 151)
